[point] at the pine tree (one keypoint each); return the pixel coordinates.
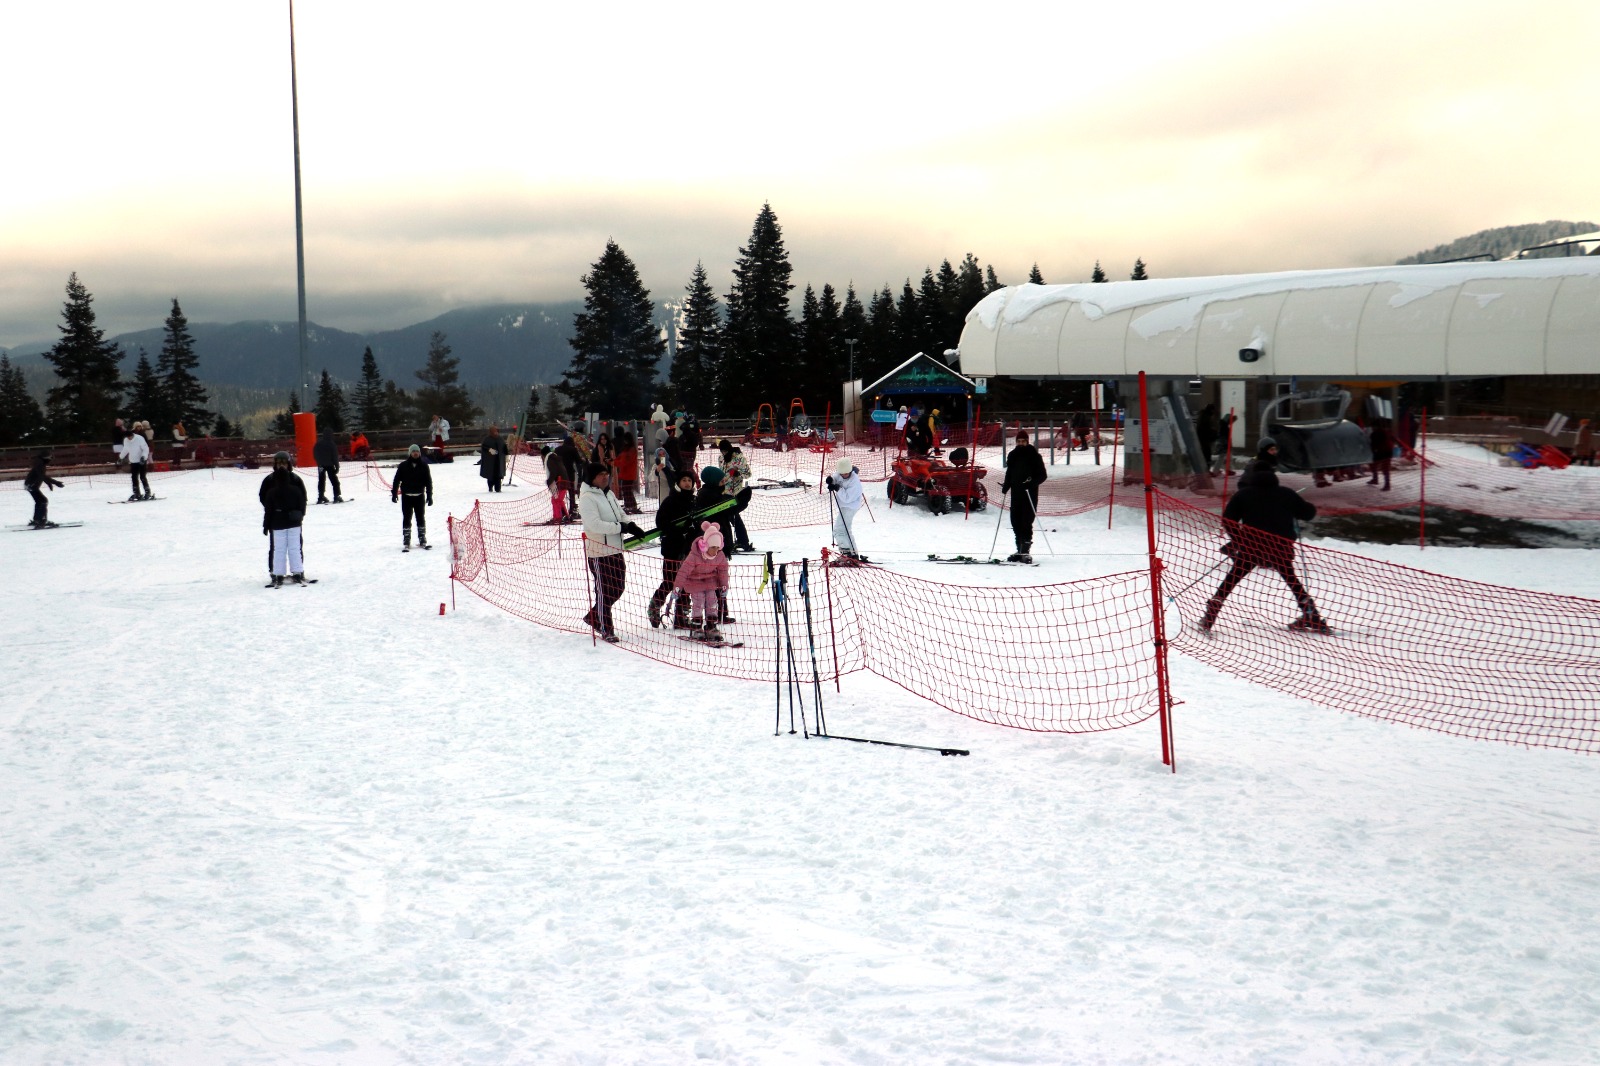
(366, 400)
(85, 404)
(696, 363)
(441, 394)
(399, 408)
(991, 283)
(185, 398)
(970, 289)
(821, 348)
(908, 339)
(760, 357)
(882, 342)
(615, 343)
(935, 336)
(148, 400)
(1139, 271)
(283, 422)
(330, 406)
(1098, 275)
(853, 326)
(224, 428)
(1034, 277)
(21, 420)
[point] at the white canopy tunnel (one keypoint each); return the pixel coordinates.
(1538, 316)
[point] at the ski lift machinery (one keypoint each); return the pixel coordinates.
(1321, 443)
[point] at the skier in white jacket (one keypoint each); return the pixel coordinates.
(136, 450)
(848, 496)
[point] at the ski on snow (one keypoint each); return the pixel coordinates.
(287, 583)
(969, 560)
(52, 525)
(149, 500)
(711, 643)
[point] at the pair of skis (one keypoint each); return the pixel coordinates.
(49, 525)
(972, 560)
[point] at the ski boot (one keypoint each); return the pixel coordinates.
(322, 499)
(1213, 608)
(1310, 623)
(298, 579)
(277, 581)
(135, 498)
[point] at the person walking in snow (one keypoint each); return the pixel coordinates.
(37, 480)
(492, 459)
(1262, 521)
(604, 527)
(703, 578)
(555, 482)
(136, 450)
(844, 484)
(1025, 472)
(1382, 451)
(283, 507)
(673, 519)
(326, 454)
(413, 489)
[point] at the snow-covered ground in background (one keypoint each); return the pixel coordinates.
(327, 825)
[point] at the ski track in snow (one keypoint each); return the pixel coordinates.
(327, 825)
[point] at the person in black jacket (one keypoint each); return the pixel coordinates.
(326, 453)
(1025, 472)
(1382, 451)
(678, 531)
(574, 462)
(413, 487)
(33, 482)
(1261, 519)
(492, 459)
(283, 506)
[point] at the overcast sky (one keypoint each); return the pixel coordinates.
(478, 151)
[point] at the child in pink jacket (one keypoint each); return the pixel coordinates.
(703, 574)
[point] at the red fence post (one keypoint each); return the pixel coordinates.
(1422, 501)
(972, 459)
(824, 474)
(1111, 501)
(1158, 620)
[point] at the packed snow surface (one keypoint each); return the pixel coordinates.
(328, 825)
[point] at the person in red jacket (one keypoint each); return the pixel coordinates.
(703, 574)
(627, 470)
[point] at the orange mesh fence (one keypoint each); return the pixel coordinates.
(1436, 652)
(1073, 657)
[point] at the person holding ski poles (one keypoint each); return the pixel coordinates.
(413, 488)
(848, 496)
(1261, 519)
(1025, 472)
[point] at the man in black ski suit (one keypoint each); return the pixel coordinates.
(678, 532)
(1025, 472)
(283, 507)
(326, 454)
(35, 480)
(1261, 518)
(413, 487)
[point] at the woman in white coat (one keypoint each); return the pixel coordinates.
(845, 485)
(604, 524)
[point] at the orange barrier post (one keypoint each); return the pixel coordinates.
(1158, 618)
(305, 438)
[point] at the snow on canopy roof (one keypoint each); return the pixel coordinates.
(1311, 317)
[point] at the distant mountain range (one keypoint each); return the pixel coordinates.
(499, 344)
(1502, 242)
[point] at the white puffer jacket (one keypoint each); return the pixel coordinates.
(850, 496)
(602, 521)
(136, 449)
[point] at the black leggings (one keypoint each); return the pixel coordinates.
(413, 505)
(136, 471)
(1285, 569)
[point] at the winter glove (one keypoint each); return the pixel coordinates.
(833, 486)
(632, 529)
(394, 497)
(430, 500)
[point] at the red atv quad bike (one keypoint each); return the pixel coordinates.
(947, 485)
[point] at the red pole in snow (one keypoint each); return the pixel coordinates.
(1422, 502)
(1158, 621)
(972, 459)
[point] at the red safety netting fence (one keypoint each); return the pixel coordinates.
(1436, 652)
(1072, 657)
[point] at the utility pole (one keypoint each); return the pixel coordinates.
(299, 224)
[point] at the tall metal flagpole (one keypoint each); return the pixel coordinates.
(299, 224)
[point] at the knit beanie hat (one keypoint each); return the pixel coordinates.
(1264, 444)
(710, 536)
(711, 475)
(844, 466)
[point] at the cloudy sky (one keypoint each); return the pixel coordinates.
(480, 151)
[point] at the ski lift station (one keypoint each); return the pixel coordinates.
(1245, 341)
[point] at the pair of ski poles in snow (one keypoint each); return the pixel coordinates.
(1000, 515)
(785, 650)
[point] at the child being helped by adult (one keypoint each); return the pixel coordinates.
(703, 575)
